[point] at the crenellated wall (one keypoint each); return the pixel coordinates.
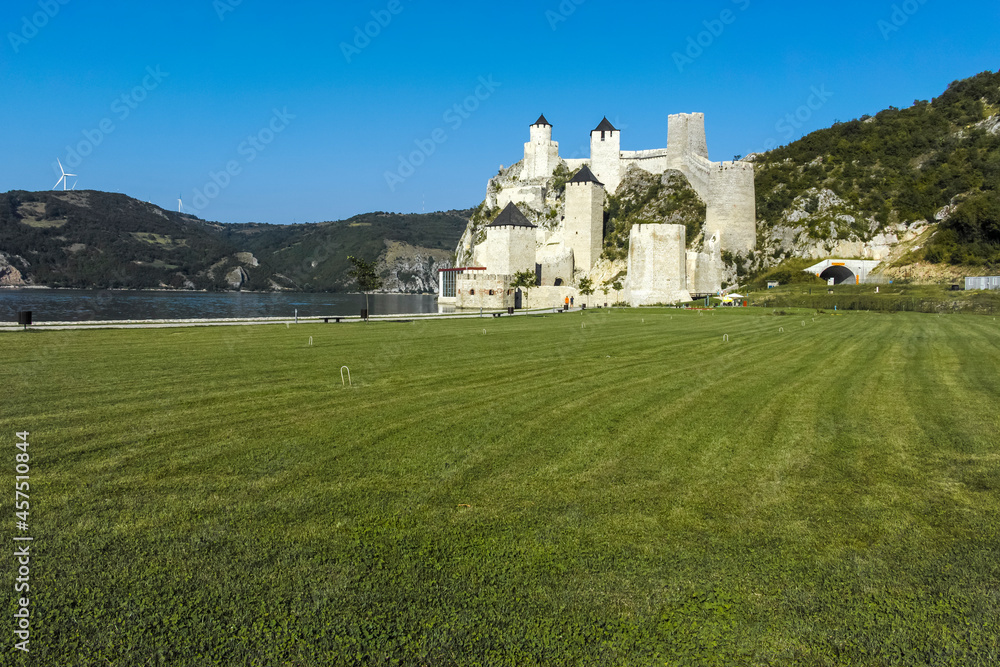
(660, 268)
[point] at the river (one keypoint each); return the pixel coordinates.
(55, 305)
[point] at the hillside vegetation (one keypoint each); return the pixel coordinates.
(935, 161)
(91, 239)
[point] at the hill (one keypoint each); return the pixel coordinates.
(929, 172)
(92, 239)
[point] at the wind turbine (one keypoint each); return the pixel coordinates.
(180, 204)
(62, 179)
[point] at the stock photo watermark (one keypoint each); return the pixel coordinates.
(793, 122)
(248, 151)
(32, 24)
(714, 28)
(454, 117)
(562, 13)
(901, 15)
(121, 108)
(223, 7)
(22, 541)
(363, 35)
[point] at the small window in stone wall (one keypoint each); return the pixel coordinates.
(472, 292)
(492, 292)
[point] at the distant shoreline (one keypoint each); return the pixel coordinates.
(203, 291)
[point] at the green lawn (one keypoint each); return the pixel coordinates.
(634, 491)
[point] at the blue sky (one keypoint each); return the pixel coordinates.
(256, 111)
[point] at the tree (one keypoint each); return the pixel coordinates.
(524, 280)
(606, 287)
(366, 276)
(617, 287)
(586, 286)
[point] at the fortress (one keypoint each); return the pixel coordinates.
(660, 268)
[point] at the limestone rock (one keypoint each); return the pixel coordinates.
(10, 276)
(411, 269)
(237, 277)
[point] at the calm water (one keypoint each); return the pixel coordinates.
(87, 305)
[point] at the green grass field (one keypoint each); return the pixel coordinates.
(937, 299)
(634, 491)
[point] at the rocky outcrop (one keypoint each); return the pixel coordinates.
(410, 269)
(820, 224)
(10, 275)
(237, 277)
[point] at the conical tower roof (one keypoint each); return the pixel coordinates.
(511, 217)
(585, 175)
(605, 126)
(541, 121)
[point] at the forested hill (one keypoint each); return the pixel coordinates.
(935, 162)
(89, 239)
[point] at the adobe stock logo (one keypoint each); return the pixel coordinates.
(31, 25)
(249, 150)
(565, 9)
(121, 108)
(455, 117)
(901, 15)
(223, 7)
(793, 122)
(698, 44)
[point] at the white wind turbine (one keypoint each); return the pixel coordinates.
(63, 178)
(180, 204)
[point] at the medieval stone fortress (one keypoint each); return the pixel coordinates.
(556, 229)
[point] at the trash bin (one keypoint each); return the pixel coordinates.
(566, 307)
(584, 307)
(364, 313)
(24, 318)
(510, 310)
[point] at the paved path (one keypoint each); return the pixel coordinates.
(175, 324)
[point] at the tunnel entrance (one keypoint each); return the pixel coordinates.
(840, 275)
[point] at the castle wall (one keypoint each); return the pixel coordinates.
(732, 206)
(584, 225)
(531, 195)
(540, 160)
(557, 264)
(507, 250)
(605, 159)
(705, 271)
(654, 161)
(473, 291)
(657, 265)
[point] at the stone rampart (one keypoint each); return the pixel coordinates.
(732, 206)
(657, 265)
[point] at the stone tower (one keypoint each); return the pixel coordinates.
(541, 154)
(584, 226)
(509, 245)
(657, 265)
(732, 206)
(686, 136)
(605, 155)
